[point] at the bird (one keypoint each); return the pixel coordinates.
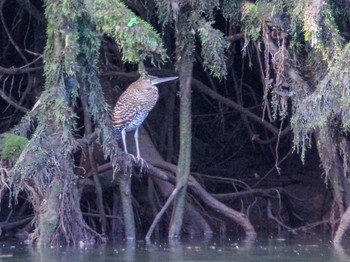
(133, 107)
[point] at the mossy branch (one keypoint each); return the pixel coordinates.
(135, 37)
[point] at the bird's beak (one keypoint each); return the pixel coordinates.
(157, 80)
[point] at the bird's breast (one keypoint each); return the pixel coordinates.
(136, 121)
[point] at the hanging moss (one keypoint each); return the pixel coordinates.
(12, 146)
(231, 9)
(250, 20)
(205, 8)
(99, 110)
(319, 27)
(330, 100)
(199, 22)
(213, 49)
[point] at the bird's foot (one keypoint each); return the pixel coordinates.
(134, 158)
(128, 159)
(143, 164)
(139, 162)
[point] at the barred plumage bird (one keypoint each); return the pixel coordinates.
(134, 105)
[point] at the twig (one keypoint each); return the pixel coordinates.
(312, 225)
(9, 225)
(2, 2)
(235, 37)
(23, 69)
(85, 141)
(200, 192)
(274, 218)
(203, 88)
(273, 168)
(19, 70)
(32, 10)
(12, 102)
(160, 213)
(246, 193)
(276, 149)
(98, 215)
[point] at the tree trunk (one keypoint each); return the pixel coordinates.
(331, 164)
(343, 225)
(124, 180)
(45, 167)
(49, 219)
(183, 167)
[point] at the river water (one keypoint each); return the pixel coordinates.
(265, 249)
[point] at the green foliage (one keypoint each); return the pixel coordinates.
(231, 10)
(205, 8)
(250, 20)
(12, 146)
(254, 16)
(213, 49)
(135, 37)
(168, 11)
(331, 100)
(341, 10)
(196, 18)
(319, 26)
(314, 39)
(133, 21)
(99, 110)
(165, 12)
(185, 32)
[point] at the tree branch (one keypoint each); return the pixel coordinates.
(32, 10)
(2, 2)
(160, 213)
(203, 88)
(12, 102)
(246, 193)
(19, 70)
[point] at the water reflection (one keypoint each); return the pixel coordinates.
(340, 253)
(298, 248)
(175, 249)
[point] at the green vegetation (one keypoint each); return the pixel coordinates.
(256, 79)
(12, 146)
(135, 37)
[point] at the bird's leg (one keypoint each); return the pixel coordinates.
(143, 162)
(124, 141)
(124, 144)
(136, 136)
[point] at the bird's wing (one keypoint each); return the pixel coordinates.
(123, 114)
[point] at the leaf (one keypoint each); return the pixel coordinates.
(133, 21)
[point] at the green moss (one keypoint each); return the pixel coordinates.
(250, 20)
(318, 23)
(213, 49)
(231, 10)
(135, 37)
(12, 146)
